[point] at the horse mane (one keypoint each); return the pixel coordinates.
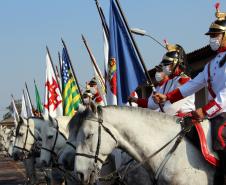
(77, 119)
(141, 111)
(34, 117)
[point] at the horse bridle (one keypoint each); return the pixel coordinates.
(185, 129)
(100, 126)
(27, 131)
(54, 144)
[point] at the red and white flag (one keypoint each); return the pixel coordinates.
(53, 99)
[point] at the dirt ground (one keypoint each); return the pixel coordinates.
(11, 172)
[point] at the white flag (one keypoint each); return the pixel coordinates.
(15, 113)
(23, 107)
(28, 104)
(53, 99)
(111, 98)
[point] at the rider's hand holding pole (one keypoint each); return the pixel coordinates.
(159, 98)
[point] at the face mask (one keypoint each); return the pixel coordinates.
(214, 44)
(93, 90)
(166, 70)
(86, 101)
(159, 76)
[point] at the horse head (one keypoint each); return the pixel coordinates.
(53, 139)
(67, 156)
(94, 142)
(24, 138)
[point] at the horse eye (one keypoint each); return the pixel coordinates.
(89, 136)
(20, 134)
(50, 137)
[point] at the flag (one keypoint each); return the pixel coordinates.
(71, 96)
(39, 106)
(28, 103)
(122, 58)
(100, 85)
(23, 113)
(15, 112)
(110, 74)
(53, 99)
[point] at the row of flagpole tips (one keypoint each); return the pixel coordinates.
(123, 72)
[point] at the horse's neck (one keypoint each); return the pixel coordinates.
(60, 143)
(62, 123)
(140, 132)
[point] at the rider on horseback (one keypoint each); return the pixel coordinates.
(170, 74)
(214, 78)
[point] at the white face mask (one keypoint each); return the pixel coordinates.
(86, 101)
(215, 43)
(159, 76)
(93, 90)
(166, 70)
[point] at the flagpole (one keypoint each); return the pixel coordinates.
(73, 72)
(29, 97)
(60, 64)
(137, 51)
(103, 20)
(53, 68)
(92, 59)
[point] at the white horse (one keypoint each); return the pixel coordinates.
(25, 147)
(54, 135)
(66, 159)
(140, 132)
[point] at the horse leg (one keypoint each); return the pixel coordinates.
(57, 177)
(30, 170)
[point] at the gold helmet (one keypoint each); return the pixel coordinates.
(175, 55)
(219, 25)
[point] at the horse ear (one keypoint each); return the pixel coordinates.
(81, 108)
(93, 107)
(52, 122)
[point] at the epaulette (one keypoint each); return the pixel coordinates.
(183, 78)
(184, 75)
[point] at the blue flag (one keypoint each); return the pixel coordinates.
(129, 72)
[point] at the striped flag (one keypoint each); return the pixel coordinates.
(71, 96)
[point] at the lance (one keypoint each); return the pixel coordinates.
(25, 104)
(14, 107)
(60, 62)
(93, 59)
(103, 20)
(73, 72)
(29, 97)
(53, 68)
(137, 51)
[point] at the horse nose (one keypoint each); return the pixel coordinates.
(44, 163)
(16, 156)
(68, 164)
(80, 176)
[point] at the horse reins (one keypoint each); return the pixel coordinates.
(25, 142)
(179, 136)
(100, 125)
(54, 144)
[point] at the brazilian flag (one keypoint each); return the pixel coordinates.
(71, 96)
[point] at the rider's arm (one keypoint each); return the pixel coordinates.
(187, 89)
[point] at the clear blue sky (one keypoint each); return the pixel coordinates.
(26, 27)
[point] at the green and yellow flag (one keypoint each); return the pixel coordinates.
(71, 96)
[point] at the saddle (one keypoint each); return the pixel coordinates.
(200, 136)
